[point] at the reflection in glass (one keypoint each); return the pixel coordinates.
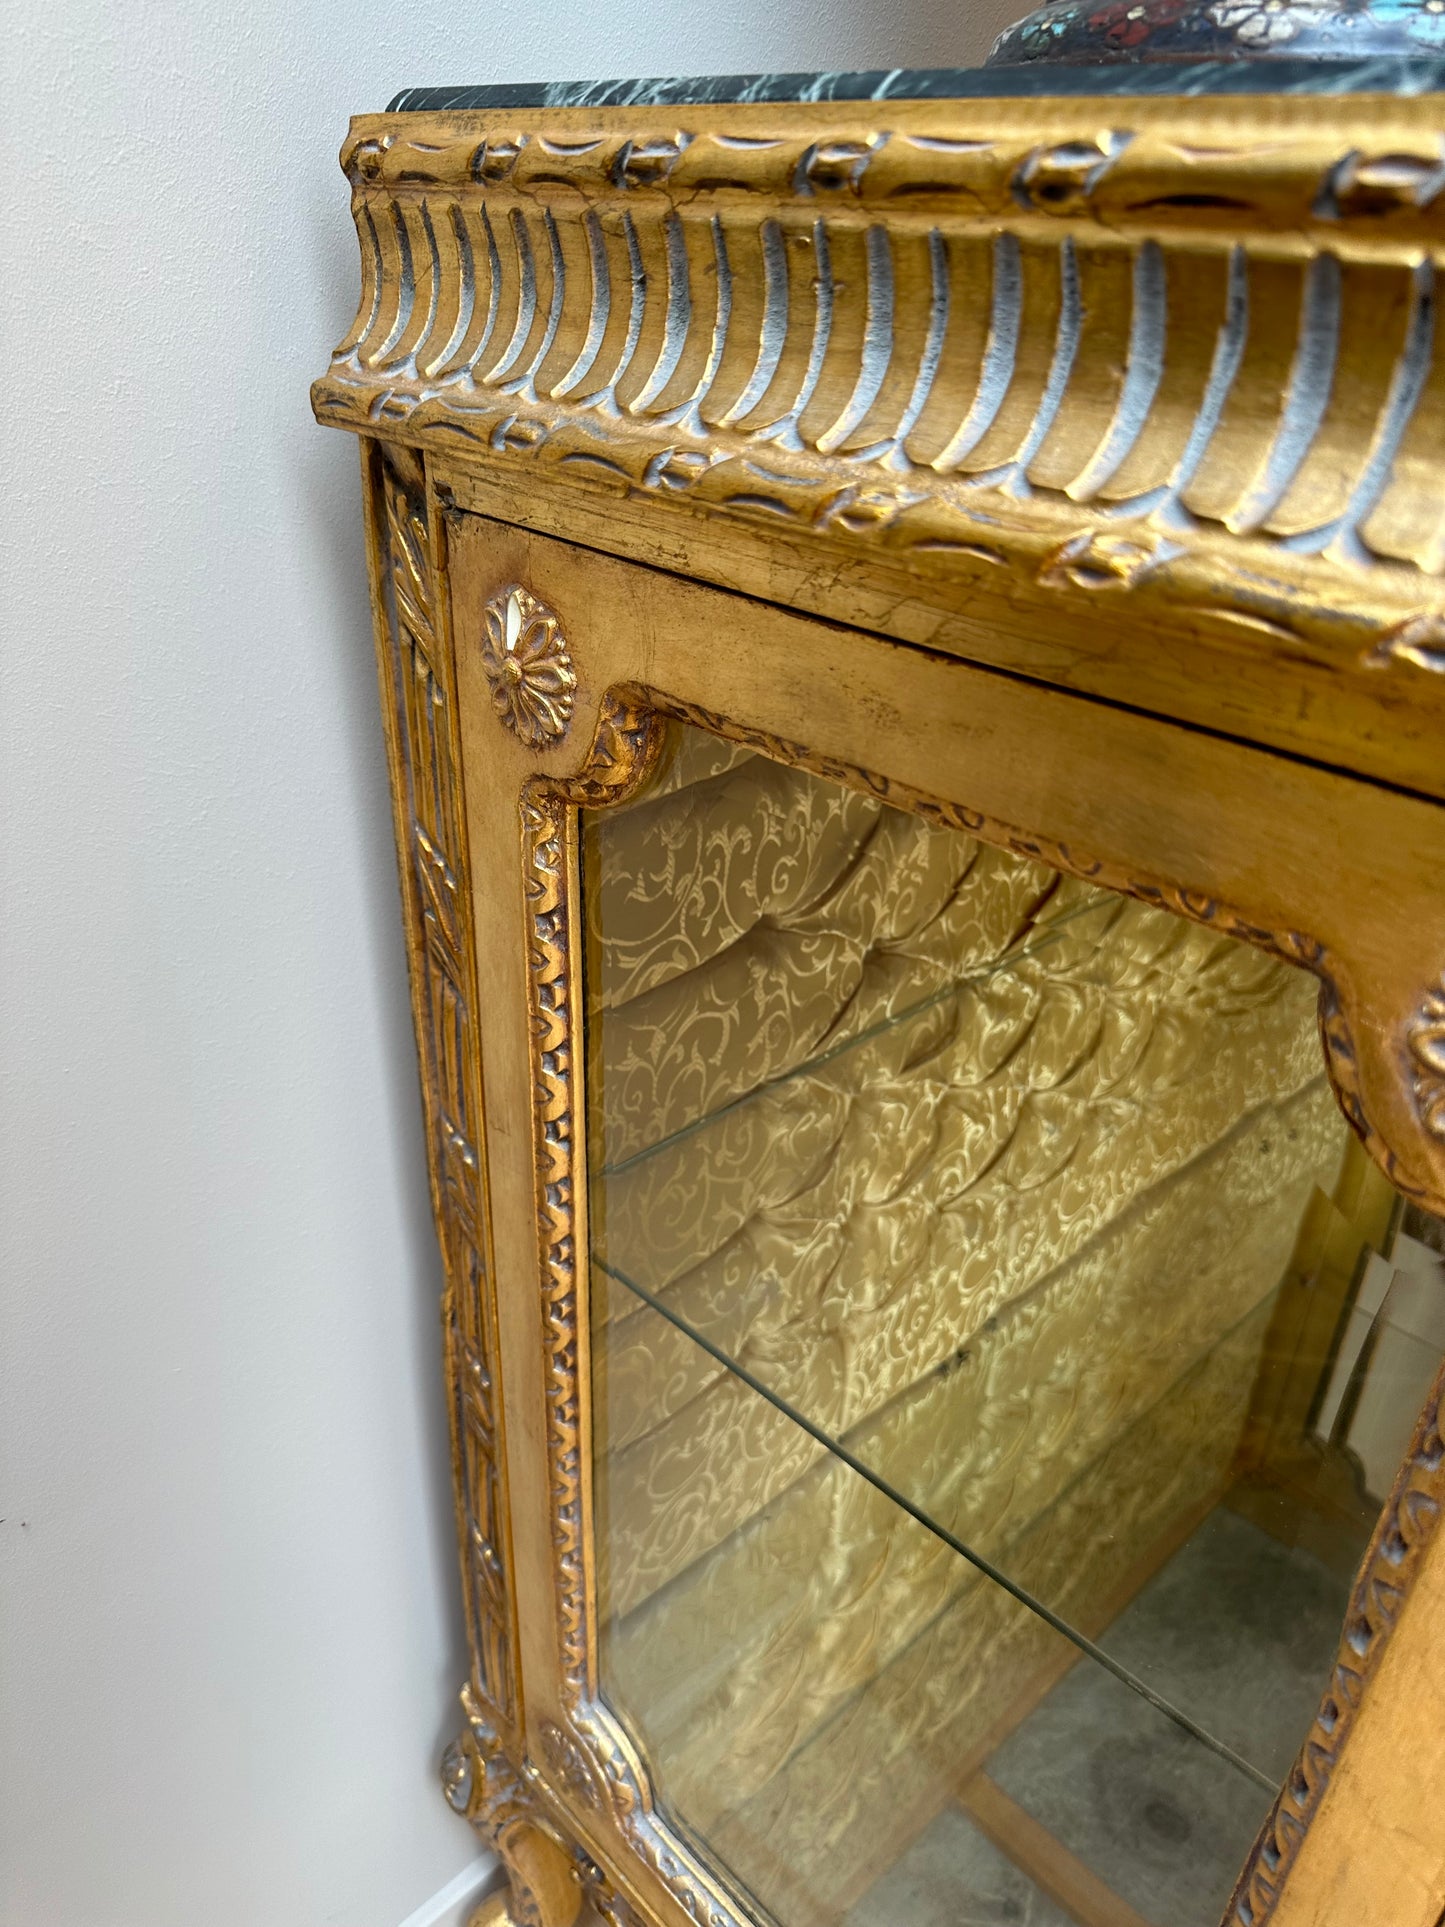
(1001, 1351)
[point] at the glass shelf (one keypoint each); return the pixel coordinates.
(860, 1726)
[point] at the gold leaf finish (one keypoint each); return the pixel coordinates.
(626, 747)
(419, 708)
(1138, 401)
(1180, 358)
(525, 656)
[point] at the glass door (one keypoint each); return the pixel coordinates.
(1002, 1350)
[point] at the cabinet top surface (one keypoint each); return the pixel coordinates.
(1400, 75)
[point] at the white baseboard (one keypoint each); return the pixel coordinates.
(450, 1907)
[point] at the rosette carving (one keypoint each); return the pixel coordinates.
(527, 663)
(1426, 1038)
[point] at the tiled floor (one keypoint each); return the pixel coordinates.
(1237, 1632)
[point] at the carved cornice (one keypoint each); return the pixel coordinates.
(1186, 350)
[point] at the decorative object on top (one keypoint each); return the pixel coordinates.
(1084, 32)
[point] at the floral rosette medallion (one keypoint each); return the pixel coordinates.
(524, 654)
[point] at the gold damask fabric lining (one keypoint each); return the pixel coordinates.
(990, 1172)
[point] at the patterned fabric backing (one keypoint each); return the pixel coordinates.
(991, 1172)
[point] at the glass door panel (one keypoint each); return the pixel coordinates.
(858, 1726)
(981, 1268)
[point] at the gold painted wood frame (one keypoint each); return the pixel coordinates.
(1172, 620)
(975, 375)
(1327, 871)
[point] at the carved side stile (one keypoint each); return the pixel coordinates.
(419, 712)
(419, 708)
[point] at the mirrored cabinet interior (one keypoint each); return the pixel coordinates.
(912, 655)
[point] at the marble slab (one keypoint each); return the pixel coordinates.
(1396, 75)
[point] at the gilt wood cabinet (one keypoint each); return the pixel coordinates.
(912, 653)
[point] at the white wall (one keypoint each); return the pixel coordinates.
(230, 1650)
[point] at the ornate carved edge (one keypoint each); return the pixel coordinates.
(419, 713)
(596, 1761)
(991, 338)
(1291, 946)
(1406, 1526)
(480, 1782)
(1426, 1040)
(623, 751)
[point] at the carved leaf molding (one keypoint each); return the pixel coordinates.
(1104, 362)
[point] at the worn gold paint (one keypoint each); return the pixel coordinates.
(1275, 579)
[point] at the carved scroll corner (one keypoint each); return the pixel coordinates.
(458, 1774)
(1425, 1041)
(528, 666)
(1419, 641)
(482, 1784)
(1412, 1156)
(608, 1900)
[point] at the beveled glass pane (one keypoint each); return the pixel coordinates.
(914, 1162)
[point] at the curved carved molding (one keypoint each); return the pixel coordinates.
(1173, 358)
(596, 1760)
(1426, 1039)
(481, 1783)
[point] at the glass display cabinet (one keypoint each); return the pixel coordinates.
(912, 644)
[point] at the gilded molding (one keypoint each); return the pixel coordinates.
(480, 1782)
(419, 705)
(1180, 358)
(623, 751)
(483, 1785)
(997, 340)
(1406, 1525)
(1426, 1039)
(595, 1760)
